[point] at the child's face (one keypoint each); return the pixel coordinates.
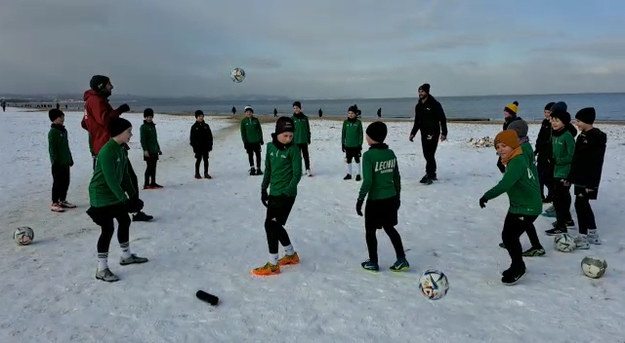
(506, 114)
(581, 125)
(149, 119)
(547, 114)
(351, 114)
(249, 113)
(199, 119)
(503, 150)
(124, 137)
(556, 123)
(60, 120)
(297, 110)
(285, 137)
(369, 140)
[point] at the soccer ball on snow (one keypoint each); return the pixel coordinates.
(564, 242)
(237, 75)
(23, 235)
(433, 284)
(594, 267)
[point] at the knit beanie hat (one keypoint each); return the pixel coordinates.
(353, 108)
(118, 125)
(284, 124)
(377, 131)
(248, 108)
(199, 113)
(564, 116)
(425, 87)
(98, 82)
(549, 105)
(512, 108)
(55, 113)
(520, 126)
(559, 106)
(298, 104)
(507, 137)
(586, 115)
(148, 112)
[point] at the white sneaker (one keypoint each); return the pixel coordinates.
(56, 208)
(106, 275)
(593, 237)
(581, 242)
(66, 204)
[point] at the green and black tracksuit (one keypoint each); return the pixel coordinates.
(351, 139)
(301, 136)
(521, 184)
(381, 185)
(61, 159)
(149, 144)
(252, 136)
(283, 171)
(110, 191)
(563, 150)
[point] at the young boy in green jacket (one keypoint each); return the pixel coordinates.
(351, 141)
(61, 158)
(381, 184)
(111, 195)
(252, 136)
(151, 149)
(521, 184)
(301, 137)
(563, 151)
(283, 171)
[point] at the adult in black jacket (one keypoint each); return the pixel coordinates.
(430, 119)
(543, 152)
(201, 139)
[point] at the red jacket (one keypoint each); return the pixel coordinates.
(98, 114)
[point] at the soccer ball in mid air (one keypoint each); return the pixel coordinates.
(237, 75)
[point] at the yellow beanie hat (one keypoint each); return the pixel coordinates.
(512, 108)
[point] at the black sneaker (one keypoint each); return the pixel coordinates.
(555, 231)
(569, 223)
(532, 252)
(511, 277)
(252, 171)
(347, 177)
(426, 180)
(433, 178)
(358, 178)
(142, 217)
(259, 172)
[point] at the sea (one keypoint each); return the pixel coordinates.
(610, 107)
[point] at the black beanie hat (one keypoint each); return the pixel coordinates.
(55, 113)
(198, 113)
(425, 87)
(148, 112)
(549, 105)
(353, 108)
(118, 125)
(586, 115)
(298, 104)
(98, 82)
(559, 106)
(564, 116)
(284, 124)
(377, 131)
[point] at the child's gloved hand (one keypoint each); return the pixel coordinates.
(483, 202)
(264, 197)
(359, 206)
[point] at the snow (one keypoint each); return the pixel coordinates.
(208, 234)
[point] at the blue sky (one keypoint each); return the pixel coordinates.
(313, 49)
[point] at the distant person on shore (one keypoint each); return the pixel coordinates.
(201, 139)
(563, 151)
(275, 112)
(585, 174)
(430, 119)
(151, 149)
(252, 136)
(234, 110)
(544, 153)
(509, 115)
(351, 142)
(301, 137)
(99, 114)
(320, 113)
(4, 105)
(61, 159)
(380, 112)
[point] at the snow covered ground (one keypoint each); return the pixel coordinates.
(208, 234)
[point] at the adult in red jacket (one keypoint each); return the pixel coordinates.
(98, 115)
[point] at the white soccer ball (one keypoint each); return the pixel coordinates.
(237, 75)
(564, 242)
(594, 267)
(23, 235)
(433, 284)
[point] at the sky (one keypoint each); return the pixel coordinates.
(312, 49)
